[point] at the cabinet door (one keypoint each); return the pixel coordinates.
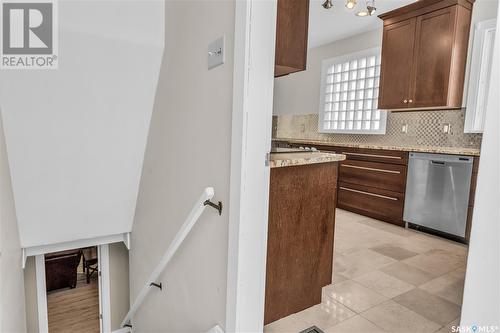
(433, 58)
(291, 36)
(397, 58)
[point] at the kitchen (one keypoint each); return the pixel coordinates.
(391, 95)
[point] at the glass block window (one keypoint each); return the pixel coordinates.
(349, 94)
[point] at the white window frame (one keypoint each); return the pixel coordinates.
(479, 76)
(327, 63)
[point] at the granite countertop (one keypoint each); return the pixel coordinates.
(423, 149)
(285, 159)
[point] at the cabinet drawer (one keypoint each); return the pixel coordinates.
(377, 203)
(385, 176)
(281, 144)
(374, 155)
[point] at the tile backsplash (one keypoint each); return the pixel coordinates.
(424, 128)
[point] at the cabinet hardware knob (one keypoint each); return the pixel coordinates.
(410, 101)
(405, 101)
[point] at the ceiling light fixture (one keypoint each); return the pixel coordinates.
(327, 4)
(370, 9)
(350, 4)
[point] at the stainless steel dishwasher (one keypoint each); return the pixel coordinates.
(437, 192)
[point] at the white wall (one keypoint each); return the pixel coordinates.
(119, 283)
(188, 149)
(482, 10)
(298, 93)
(76, 136)
(253, 84)
(481, 302)
(12, 306)
(30, 290)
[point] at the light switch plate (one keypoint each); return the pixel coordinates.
(216, 53)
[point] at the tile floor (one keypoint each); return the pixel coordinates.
(386, 279)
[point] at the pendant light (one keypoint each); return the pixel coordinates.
(370, 9)
(327, 4)
(350, 4)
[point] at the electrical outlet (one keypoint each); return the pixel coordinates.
(404, 128)
(446, 128)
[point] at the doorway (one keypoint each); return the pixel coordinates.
(246, 266)
(73, 290)
(72, 285)
(402, 271)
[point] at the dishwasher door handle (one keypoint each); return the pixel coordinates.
(438, 163)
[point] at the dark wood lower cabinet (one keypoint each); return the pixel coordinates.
(372, 182)
(302, 202)
(377, 203)
(390, 177)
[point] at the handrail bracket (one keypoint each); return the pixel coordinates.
(218, 206)
(157, 285)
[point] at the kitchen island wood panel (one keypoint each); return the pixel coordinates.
(302, 202)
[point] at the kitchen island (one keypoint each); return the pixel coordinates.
(302, 201)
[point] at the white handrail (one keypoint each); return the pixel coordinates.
(216, 329)
(188, 224)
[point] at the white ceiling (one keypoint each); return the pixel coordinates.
(328, 25)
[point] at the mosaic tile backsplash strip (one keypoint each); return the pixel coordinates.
(424, 129)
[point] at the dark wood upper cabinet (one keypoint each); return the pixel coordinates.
(291, 36)
(424, 53)
(397, 58)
